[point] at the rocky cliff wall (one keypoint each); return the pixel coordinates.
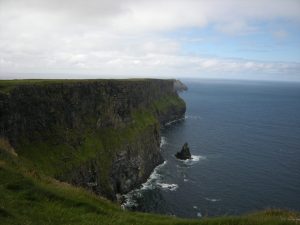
(100, 134)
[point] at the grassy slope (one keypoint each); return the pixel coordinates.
(28, 198)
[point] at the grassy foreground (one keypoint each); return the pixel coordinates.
(30, 198)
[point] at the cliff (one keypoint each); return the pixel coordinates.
(179, 86)
(99, 134)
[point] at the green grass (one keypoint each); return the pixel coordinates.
(7, 85)
(30, 199)
(167, 103)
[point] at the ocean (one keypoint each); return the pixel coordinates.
(245, 140)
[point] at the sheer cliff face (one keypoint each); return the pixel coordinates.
(102, 135)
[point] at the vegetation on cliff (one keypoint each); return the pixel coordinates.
(100, 135)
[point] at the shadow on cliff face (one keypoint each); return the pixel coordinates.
(102, 135)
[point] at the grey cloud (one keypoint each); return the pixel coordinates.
(78, 7)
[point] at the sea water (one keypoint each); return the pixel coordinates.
(244, 137)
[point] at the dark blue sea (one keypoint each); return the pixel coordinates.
(245, 140)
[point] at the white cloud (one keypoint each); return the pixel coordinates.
(124, 37)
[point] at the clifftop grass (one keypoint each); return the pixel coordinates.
(8, 85)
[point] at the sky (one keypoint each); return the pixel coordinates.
(227, 39)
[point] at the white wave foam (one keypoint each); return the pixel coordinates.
(193, 117)
(130, 198)
(163, 141)
(129, 202)
(212, 199)
(171, 187)
(194, 159)
(174, 121)
(199, 214)
(185, 180)
(153, 178)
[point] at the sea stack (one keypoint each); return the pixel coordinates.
(184, 153)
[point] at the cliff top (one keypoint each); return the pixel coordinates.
(7, 85)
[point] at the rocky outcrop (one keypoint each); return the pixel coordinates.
(184, 153)
(99, 134)
(179, 86)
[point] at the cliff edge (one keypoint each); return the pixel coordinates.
(103, 135)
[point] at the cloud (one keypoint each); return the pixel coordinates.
(127, 37)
